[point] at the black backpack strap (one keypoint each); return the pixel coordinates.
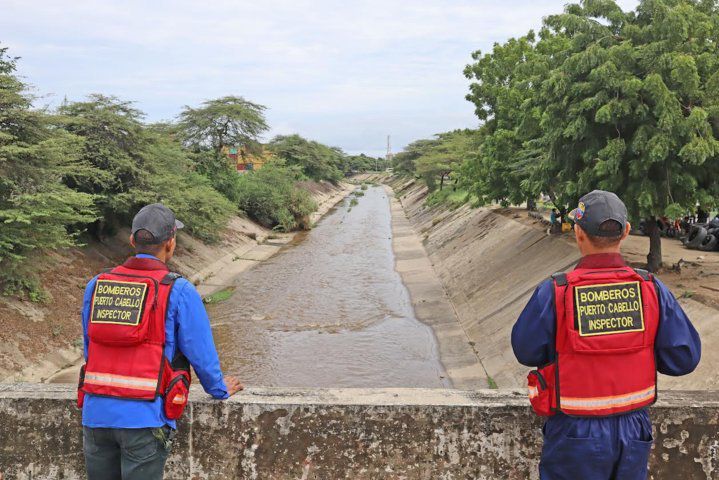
(180, 362)
(170, 278)
(560, 278)
(643, 273)
(647, 277)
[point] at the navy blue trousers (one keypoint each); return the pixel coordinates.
(126, 453)
(609, 448)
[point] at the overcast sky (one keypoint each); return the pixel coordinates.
(343, 73)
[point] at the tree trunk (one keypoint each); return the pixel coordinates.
(531, 205)
(441, 182)
(654, 259)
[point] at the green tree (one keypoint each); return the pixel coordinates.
(404, 161)
(444, 156)
(504, 92)
(37, 210)
(126, 165)
(215, 125)
(622, 101)
(223, 122)
(634, 108)
(111, 167)
(362, 163)
(171, 180)
(317, 161)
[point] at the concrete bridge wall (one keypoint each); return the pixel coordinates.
(273, 433)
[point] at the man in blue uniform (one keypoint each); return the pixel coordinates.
(611, 447)
(130, 439)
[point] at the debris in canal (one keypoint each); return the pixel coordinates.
(220, 296)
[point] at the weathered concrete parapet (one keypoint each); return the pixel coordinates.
(280, 433)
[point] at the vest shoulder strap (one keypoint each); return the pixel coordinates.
(644, 274)
(170, 278)
(560, 278)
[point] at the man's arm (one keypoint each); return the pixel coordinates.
(85, 314)
(194, 339)
(677, 345)
(533, 333)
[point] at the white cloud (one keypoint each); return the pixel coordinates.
(345, 73)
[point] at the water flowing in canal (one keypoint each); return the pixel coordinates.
(329, 310)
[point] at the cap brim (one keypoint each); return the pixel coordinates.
(179, 225)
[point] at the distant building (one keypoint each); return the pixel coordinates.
(246, 160)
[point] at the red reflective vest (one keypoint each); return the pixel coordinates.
(126, 331)
(607, 321)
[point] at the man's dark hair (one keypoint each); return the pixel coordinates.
(146, 243)
(613, 234)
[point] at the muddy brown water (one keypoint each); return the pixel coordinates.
(329, 310)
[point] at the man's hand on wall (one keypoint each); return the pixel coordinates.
(233, 386)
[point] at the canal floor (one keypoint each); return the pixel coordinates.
(329, 310)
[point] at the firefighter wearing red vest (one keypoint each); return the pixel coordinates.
(144, 326)
(597, 337)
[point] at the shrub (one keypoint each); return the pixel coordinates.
(452, 198)
(272, 198)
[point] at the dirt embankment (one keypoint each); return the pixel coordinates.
(491, 260)
(39, 339)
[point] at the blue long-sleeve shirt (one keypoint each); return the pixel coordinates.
(187, 328)
(677, 345)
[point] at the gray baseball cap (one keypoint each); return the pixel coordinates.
(157, 219)
(597, 207)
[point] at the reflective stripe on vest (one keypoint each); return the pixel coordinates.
(138, 383)
(598, 403)
(533, 391)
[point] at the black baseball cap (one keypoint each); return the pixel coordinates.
(595, 209)
(157, 219)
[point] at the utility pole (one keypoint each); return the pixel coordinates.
(389, 153)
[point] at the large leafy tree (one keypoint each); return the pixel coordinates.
(504, 94)
(208, 129)
(623, 101)
(405, 161)
(223, 122)
(112, 166)
(172, 179)
(444, 156)
(316, 160)
(126, 165)
(362, 163)
(634, 108)
(37, 211)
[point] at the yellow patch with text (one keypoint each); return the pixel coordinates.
(117, 302)
(609, 309)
